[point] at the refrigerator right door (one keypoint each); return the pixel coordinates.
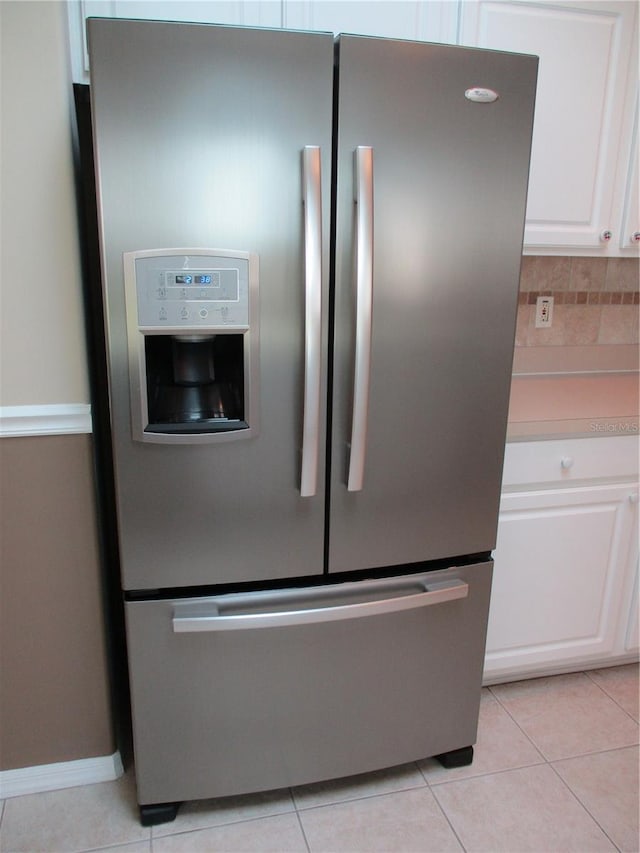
(432, 169)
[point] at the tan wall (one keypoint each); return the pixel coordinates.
(54, 703)
(42, 356)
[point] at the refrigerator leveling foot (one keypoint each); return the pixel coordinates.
(456, 757)
(155, 813)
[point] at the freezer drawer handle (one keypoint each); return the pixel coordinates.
(363, 167)
(220, 620)
(312, 198)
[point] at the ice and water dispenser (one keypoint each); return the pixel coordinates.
(193, 344)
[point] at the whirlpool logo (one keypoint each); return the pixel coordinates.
(615, 426)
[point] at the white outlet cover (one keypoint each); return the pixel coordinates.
(544, 312)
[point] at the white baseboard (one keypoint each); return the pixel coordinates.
(63, 774)
(58, 419)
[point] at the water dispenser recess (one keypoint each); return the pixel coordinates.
(193, 344)
(192, 359)
(185, 392)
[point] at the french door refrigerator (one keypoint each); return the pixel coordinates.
(310, 253)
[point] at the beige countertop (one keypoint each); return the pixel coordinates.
(576, 405)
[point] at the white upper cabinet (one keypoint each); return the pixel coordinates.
(251, 13)
(423, 20)
(428, 20)
(583, 188)
(628, 187)
(580, 180)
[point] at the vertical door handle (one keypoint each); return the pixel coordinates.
(312, 198)
(363, 168)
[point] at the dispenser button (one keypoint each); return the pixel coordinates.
(162, 314)
(203, 313)
(162, 293)
(184, 314)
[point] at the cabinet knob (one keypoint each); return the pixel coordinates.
(633, 498)
(606, 235)
(566, 462)
(635, 237)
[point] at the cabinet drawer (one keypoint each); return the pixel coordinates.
(561, 461)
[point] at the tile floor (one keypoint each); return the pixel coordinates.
(556, 769)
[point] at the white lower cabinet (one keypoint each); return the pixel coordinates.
(564, 590)
(632, 640)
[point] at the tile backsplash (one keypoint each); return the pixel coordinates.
(596, 301)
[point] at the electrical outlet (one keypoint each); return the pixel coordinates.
(544, 312)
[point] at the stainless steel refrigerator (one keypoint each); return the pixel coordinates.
(310, 252)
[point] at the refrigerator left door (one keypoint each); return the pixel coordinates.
(200, 135)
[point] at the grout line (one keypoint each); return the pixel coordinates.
(304, 834)
(537, 748)
(231, 822)
(446, 817)
(591, 754)
(370, 796)
(207, 828)
(365, 796)
(377, 794)
(421, 771)
(117, 845)
(613, 699)
(488, 773)
(580, 803)
(578, 755)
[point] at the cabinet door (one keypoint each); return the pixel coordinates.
(561, 569)
(250, 13)
(586, 51)
(401, 19)
(632, 639)
(629, 237)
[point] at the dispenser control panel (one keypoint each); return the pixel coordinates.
(192, 291)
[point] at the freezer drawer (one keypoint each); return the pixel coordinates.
(256, 691)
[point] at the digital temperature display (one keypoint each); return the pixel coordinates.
(193, 279)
